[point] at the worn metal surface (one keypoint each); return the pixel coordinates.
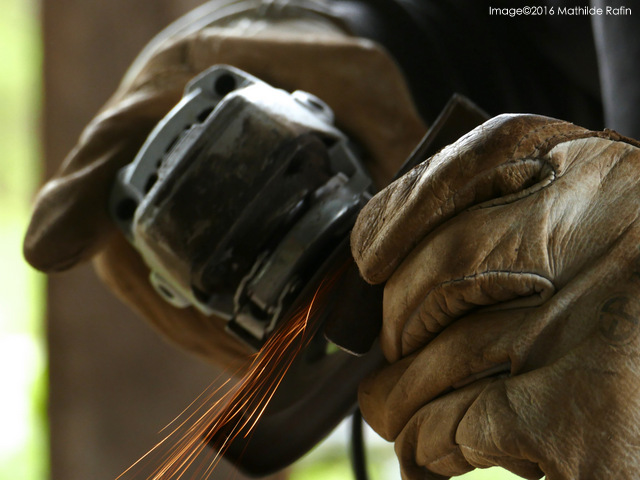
(237, 197)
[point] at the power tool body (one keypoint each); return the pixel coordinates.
(241, 202)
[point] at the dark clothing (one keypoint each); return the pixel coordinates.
(571, 64)
(547, 64)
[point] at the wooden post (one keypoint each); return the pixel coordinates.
(113, 382)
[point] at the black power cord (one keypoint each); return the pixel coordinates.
(358, 456)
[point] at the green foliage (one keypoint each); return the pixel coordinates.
(23, 444)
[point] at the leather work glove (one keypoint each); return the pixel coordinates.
(512, 304)
(70, 222)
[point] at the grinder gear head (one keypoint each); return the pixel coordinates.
(238, 196)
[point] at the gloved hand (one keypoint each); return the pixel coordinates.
(512, 304)
(70, 222)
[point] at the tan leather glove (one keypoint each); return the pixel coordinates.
(512, 304)
(70, 221)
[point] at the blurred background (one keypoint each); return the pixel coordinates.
(23, 435)
(86, 386)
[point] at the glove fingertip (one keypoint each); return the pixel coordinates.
(62, 233)
(364, 242)
(372, 411)
(52, 253)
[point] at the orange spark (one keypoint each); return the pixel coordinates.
(218, 418)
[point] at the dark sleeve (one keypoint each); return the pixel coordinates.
(617, 39)
(536, 64)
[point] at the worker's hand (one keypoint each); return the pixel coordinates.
(512, 304)
(70, 222)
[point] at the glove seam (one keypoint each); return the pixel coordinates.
(415, 314)
(545, 182)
